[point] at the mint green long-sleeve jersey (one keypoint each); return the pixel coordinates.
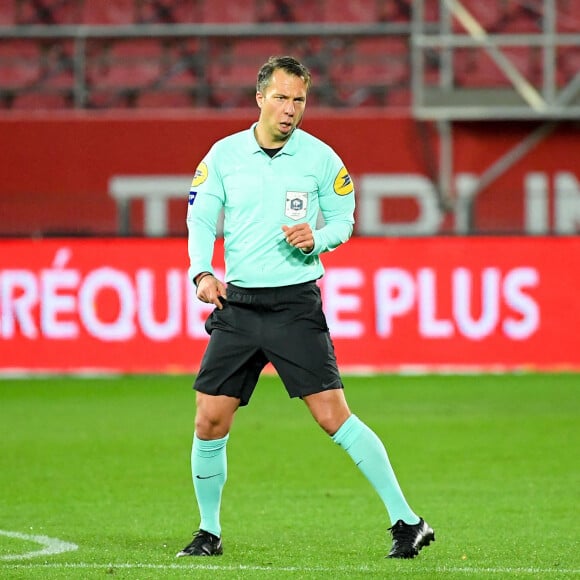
(259, 195)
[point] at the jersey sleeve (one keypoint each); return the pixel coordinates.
(337, 204)
(206, 199)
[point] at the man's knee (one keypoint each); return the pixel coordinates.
(329, 409)
(214, 415)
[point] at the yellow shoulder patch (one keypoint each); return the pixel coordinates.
(200, 175)
(343, 184)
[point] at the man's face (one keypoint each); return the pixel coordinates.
(281, 108)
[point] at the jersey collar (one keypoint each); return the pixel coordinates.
(290, 147)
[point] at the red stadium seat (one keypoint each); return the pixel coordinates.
(165, 100)
(523, 18)
(7, 12)
(568, 16)
(568, 64)
(233, 68)
(510, 16)
(399, 97)
(289, 11)
(41, 101)
(349, 11)
(19, 63)
(48, 12)
(124, 63)
(431, 10)
(168, 11)
(109, 12)
(394, 11)
(476, 68)
(57, 69)
(182, 65)
(228, 11)
(366, 69)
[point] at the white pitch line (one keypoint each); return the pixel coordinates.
(241, 567)
(51, 546)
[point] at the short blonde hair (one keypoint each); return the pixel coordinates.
(286, 63)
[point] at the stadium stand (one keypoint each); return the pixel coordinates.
(475, 68)
(568, 17)
(55, 12)
(163, 12)
(358, 50)
(20, 63)
(368, 70)
(112, 12)
(568, 65)
(232, 68)
(7, 13)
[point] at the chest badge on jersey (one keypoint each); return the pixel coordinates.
(296, 204)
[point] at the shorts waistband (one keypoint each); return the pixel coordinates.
(268, 290)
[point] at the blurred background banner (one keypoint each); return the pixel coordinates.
(126, 305)
(58, 174)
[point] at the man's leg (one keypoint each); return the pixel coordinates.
(209, 470)
(409, 532)
(331, 411)
(213, 420)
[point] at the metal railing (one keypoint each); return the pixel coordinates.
(529, 75)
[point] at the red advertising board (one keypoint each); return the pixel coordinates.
(392, 304)
(57, 170)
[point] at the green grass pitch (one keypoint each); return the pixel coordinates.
(491, 461)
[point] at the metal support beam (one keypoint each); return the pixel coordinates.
(525, 102)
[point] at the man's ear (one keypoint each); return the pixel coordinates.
(259, 98)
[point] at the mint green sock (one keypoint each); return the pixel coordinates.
(209, 469)
(370, 456)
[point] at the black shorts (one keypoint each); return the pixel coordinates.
(285, 326)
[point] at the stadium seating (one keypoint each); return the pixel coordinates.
(165, 99)
(168, 11)
(109, 12)
(364, 70)
(46, 12)
(19, 63)
(475, 67)
(125, 62)
(289, 11)
(220, 71)
(42, 101)
(568, 61)
(568, 19)
(232, 68)
(7, 13)
(118, 70)
(508, 16)
(228, 12)
(349, 11)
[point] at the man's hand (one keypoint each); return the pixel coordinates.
(300, 236)
(210, 290)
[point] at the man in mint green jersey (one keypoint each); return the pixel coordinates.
(272, 180)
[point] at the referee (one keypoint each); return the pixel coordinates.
(272, 180)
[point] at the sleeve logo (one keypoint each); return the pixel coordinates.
(343, 184)
(200, 175)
